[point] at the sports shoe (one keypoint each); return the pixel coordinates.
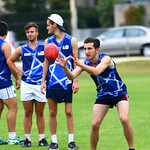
(19, 139)
(43, 142)
(26, 143)
(13, 142)
(53, 146)
(3, 142)
(72, 145)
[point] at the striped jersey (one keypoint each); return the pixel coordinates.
(109, 83)
(56, 77)
(5, 73)
(32, 60)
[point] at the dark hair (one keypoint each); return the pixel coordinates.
(96, 42)
(3, 28)
(52, 22)
(31, 24)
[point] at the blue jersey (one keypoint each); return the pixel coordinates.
(5, 73)
(33, 60)
(109, 83)
(56, 77)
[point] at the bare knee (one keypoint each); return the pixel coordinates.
(40, 113)
(28, 113)
(95, 125)
(13, 109)
(16, 108)
(53, 113)
(69, 113)
(124, 120)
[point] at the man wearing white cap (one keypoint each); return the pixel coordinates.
(58, 87)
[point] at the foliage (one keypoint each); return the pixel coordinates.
(59, 4)
(134, 15)
(24, 11)
(87, 17)
(18, 21)
(32, 5)
(105, 11)
(25, 5)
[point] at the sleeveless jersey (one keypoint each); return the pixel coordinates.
(5, 73)
(109, 83)
(32, 63)
(56, 77)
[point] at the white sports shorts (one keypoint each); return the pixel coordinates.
(7, 93)
(32, 92)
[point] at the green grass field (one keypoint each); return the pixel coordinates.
(136, 75)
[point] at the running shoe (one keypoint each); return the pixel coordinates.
(43, 142)
(13, 142)
(53, 146)
(19, 139)
(3, 142)
(26, 143)
(72, 145)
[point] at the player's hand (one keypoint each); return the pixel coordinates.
(43, 88)
(75, 87)
(76, 60)
(17, 84)
(62, 62)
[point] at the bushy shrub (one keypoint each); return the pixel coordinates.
(87, 17)
(134, 15)
(18, 21)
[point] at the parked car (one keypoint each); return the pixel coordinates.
(125, 40)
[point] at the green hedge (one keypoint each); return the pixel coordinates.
(87, 17)
(18, 21)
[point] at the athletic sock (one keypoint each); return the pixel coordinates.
(27, 136)
(41, 136)
(131, 149)
(54, 138)
(12, 135)
(70, 136)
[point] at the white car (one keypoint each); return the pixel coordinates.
(125, 40)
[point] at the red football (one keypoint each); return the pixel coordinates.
(51, 51)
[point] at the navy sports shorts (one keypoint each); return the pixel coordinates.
(60, 96)
(112, 101)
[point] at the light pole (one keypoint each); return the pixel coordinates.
(73, 14)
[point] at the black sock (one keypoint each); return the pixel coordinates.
(131, 149)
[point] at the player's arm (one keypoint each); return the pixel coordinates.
(105, 62)
(74, 44)
(45, 71)
(70, 74)
(7, 52)
(12, 59)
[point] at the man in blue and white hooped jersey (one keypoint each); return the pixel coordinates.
(32, 56)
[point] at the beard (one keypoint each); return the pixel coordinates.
(32, 40)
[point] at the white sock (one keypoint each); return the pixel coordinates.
(12, 135)
(41, 136)
(70, 136)
(27, 136)
(54, 138)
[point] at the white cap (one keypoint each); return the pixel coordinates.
(58, 20)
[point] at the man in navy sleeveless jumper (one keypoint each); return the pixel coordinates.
(32, 56)
(58, 87)
(111, 91)
(7, 91)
